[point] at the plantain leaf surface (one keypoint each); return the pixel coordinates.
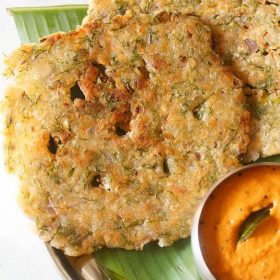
(33, 23)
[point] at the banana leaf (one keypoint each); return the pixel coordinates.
(36, 22)
(171, 263)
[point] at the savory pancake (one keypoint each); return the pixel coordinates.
(117, 130)
(106, 9)
(246, 35)
(247, 38)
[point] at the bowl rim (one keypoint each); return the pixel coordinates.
(61, 263)
(201, 265)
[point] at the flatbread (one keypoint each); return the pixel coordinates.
(117, 130)
(246, 36)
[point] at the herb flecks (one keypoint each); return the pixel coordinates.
(259, 111)
(71, 172)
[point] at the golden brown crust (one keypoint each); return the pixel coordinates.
(246, 36)
(127, 161)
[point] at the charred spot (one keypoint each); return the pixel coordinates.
(248, 90)
(9, 121)
(265, 53)
(145, 73)
(228, 59)
(162, 17)
(43, 39)
(76, 92)
(123, 119)
(197, 113)
(237, 82)
(241, 158)
(269, 3)
(120, 130)
(249, 86)
(143, 77)
(165, 167)
(138, 109)
(95, 181)
(128, 87)
(52, 145)
(102, 76)
(197, 155)
(183, 58)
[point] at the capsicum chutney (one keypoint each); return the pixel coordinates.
(222, 219)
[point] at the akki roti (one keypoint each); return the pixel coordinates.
(118, 129)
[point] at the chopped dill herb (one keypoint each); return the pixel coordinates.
(122, 6)
(151, 37)
(259, 111)
(148, 5)
(71, 172)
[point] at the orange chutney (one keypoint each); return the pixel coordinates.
(228, 206)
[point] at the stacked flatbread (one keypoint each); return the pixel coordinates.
(118, 129)
(246, 35)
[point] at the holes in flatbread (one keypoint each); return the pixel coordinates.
(100, 67)
(76, 93)
(165, 167)
(198, 112)
(53, 145)
(122, 125)
(120, 130)
(95, 181)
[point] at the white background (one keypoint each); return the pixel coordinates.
(22, 255)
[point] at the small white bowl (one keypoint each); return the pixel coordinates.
(201, 265)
